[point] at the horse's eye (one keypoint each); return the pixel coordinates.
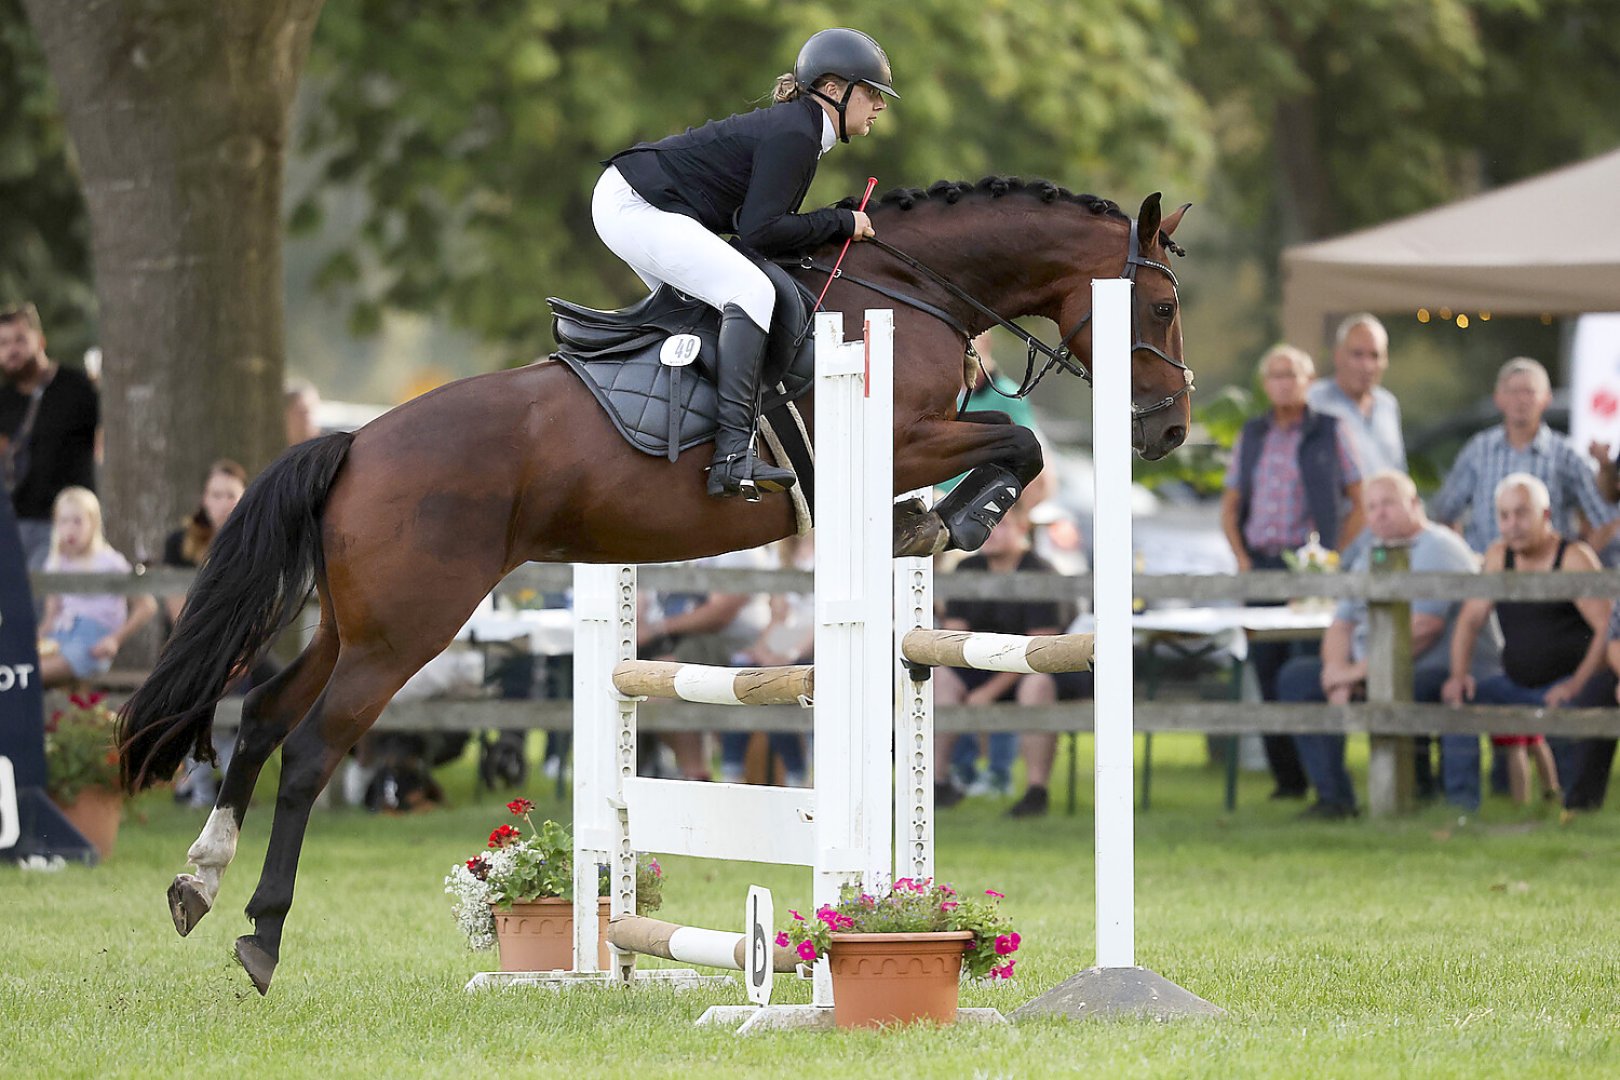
(1164, 311)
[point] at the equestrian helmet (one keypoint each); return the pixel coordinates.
(848, 54)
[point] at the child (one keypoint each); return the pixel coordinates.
(83, 632)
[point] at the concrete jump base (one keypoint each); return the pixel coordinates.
(1127, 992)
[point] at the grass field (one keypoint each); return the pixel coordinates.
(1413, 948)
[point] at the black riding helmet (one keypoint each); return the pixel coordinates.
(850, 55)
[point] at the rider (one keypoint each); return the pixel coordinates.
(659, 205)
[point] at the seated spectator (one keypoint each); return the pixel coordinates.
(1551, 649)
(789, 638)
(1293, 473)
(83, 632)
(1006, 551)
(1395, 517)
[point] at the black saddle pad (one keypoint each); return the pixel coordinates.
(616, 355)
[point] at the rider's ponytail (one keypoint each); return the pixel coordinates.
(787, 88)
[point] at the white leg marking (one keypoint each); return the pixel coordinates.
(214, 849)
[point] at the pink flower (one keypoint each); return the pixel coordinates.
(949, 905)
(1004, 971)
(796, 915)
(947, 890)
(807, 951)
(844, 922)
(657, 871)
(782, 940)
(997, 895)
(902, 883)
(1015, 940)
(1005, 945)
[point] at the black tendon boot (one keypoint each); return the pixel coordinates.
(975, 505)
(736, 471)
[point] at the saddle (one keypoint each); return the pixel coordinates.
(633, 361)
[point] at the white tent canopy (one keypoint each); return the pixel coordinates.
(1549, 244)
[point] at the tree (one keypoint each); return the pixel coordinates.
(178, 112)
(44, 237)
(477, 139)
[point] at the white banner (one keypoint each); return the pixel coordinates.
(1594, 364)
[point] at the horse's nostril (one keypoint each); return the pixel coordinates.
(1174, 436)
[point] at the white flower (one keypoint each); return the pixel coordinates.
(471, 908)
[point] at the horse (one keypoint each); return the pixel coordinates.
(402, 527)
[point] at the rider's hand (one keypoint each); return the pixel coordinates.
(863, 226)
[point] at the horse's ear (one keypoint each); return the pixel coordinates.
(1147, 223)
(1172, 219)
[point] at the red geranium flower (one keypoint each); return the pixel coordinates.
(520, 806)
(502, 836)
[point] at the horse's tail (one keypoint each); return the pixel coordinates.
(259, 570)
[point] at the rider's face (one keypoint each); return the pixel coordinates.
(864, 105)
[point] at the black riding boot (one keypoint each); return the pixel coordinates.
(975, 505)
(736, 470)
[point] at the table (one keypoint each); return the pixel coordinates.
(1200, 632)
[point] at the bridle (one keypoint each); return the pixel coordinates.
(1060, 356)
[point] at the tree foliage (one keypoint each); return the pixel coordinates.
(476, 128)
(44, 234)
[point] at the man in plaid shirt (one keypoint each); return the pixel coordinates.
(1522, 443)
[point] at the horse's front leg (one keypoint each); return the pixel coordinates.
(1000, 458)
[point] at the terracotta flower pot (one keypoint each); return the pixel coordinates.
(883, 979)
(538, 935)
(95, 812)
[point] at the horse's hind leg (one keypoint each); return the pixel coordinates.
(361, 684)
(268, 714)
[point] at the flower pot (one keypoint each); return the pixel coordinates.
(883, 979)
(538, 935)
(95, 812)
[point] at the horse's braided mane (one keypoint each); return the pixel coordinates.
(951, 192)
(995, 187)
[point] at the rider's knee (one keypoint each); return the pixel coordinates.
(757, 298)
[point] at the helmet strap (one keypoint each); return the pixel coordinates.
(841, 106)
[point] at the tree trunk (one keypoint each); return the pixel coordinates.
(178, 110)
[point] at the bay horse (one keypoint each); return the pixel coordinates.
(403, 527)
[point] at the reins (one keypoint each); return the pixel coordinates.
(1061, 355)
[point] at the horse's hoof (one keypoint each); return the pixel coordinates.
(187, 902)
(257, 961)
(918, 534)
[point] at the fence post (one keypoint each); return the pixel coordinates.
(1390, 780)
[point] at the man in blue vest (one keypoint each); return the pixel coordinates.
(1293, 472)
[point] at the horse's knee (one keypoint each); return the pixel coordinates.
(1027, 458)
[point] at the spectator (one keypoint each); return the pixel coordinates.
(301, 402)
(1006, 551)
(185, 547)
(698, 628)
(83, 632)
(1552, 650)
(49, 417)
(1370, 414)
(1293, 472)
(789, 638)
(1394, 517)
(1522, 443)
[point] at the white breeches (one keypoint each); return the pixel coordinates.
(675, 250)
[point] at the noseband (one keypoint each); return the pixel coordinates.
(1061, 355)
